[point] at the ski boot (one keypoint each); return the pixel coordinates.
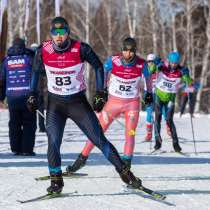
(148, 136)
(78, 164)
(157, 145)
(127, 162)
(56, 183)
(127, 176)
(177, 148)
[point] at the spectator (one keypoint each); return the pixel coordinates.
(15, 85)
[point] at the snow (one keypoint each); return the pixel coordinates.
(185, 180)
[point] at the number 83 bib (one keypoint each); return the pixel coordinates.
(66, 81)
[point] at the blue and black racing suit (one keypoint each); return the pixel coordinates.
(67, 100)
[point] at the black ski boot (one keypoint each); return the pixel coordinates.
(127, 176)
(157, 145)
(127, 162)
(56, 183)
(78, 164)
(177, 148)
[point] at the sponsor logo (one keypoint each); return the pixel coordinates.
(57, 89)
(16, 61)
(61, 57)
(74, 50)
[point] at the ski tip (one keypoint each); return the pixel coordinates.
(47, 197)
(20, 201)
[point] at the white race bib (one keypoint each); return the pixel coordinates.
(124, 88)
(167, 84)
(66, 81)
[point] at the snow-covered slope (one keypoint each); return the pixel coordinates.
(185, 180)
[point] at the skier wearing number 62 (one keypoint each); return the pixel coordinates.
(124, 74)
(62, 59)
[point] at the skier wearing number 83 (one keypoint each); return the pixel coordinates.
(62, 59)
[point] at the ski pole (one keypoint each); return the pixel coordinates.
(191, 122)
(193, 134)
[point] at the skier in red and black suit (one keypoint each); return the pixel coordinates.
(62, 58)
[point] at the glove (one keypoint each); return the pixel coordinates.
(148, 99)
(32, 102)
(99, 100)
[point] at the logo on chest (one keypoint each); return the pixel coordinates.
(16, 61)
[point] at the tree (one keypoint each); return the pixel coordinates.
(3, 28)
(153, 15)
(131, 19)
(206, 57)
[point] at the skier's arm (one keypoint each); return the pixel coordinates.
(87, 54)
(147, 77)
(107, 70)
(186, 77)
(37, 69)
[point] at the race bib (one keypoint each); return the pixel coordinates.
(124, 88)
(167, 84)
(66, 81)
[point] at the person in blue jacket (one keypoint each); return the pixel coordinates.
(15, 77)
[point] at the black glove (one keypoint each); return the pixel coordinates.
(32, 102)
(99, 100)
(148, 99)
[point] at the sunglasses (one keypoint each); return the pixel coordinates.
(150, 61)
(60, 31)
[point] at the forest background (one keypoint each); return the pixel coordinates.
(158, 26)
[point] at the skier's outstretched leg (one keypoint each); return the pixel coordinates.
(105, 117)
(131, 121)
(170, 122)
(86, 119)
(157, 124)
(149, 122)
(55, 126)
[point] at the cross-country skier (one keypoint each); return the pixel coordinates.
(62, 58)
(169, 78)
(153, 61)
(125, 72)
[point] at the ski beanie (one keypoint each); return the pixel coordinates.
(129, 44)
(19, 42)
(60, 22)
(174, 57)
